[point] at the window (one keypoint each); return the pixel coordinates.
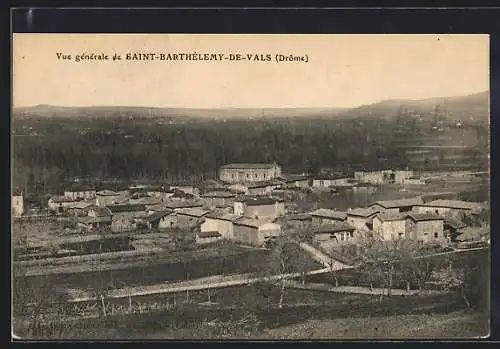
(352, 234)
(248, 176)
(321, 183)
(232, 176)
(436, 235)
(264, 176)
(256, 176)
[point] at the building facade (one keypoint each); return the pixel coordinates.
(259, 207)
(248, 173)
(222, 223)
(253, 232)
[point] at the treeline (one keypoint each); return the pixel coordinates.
(47, 151)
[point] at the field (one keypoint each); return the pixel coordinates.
(456, 325)
(306, 315)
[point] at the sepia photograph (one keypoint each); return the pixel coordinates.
(250, 186)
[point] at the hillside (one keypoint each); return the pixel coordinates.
(176, 113)
(471, 107)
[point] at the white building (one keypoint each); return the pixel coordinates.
(247, 173)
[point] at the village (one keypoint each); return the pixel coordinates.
(250, 204)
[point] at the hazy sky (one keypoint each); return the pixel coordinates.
(343, 70)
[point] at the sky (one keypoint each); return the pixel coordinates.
(342, 70)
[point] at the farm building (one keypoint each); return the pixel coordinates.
(424, 227)
(206, 237)
(161, 220)
(106, 197)
(294, 181)
(395, 206)
(17, 205)
(247, 173)
(188, 217)
(263, 188)
(255, 232)
(325, 182)
(361, 218)
(389, 226)
(222, 223)
(80, 208)
(186, 188)
(178, 205)
(78, 191)
(60, 203)
(259, 207)
(450, 208)
(300, 220)
(97, 217)
(339, 232)
(326, 216)
(382, 177)
(214, 199)
(125, 216)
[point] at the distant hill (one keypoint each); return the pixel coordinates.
(475, 107)
(471, 107)
(175, 113)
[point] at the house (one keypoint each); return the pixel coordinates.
(299, 220)
(79, 191)
(395, 206)
(340, 232)
(60, 203)
(239, 188)
(294, 181)
(150, 209)
(374, 177)
(248, 173)
(206, 237)
(160, 192)
(452, 229)
(259, 207)
(327, 181)
(189, 217)
(361, 218)
(186, 188)
(147, 201)
(424, 227)
(450, 208)
(220, 222)
(178, 205)
(327, 216)
(263, 188)
(97, 218)
(80, 208)
(389, 226)
(181, 195)
(106, 197)
(214, 199)
(126, 216)
(161, 220)
(414, 181)
(255, 232)
(17, 205)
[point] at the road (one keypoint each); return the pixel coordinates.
(355, 289)
(211, 282)
(322, 258)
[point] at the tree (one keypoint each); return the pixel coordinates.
(450, 279)
(285, 257)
